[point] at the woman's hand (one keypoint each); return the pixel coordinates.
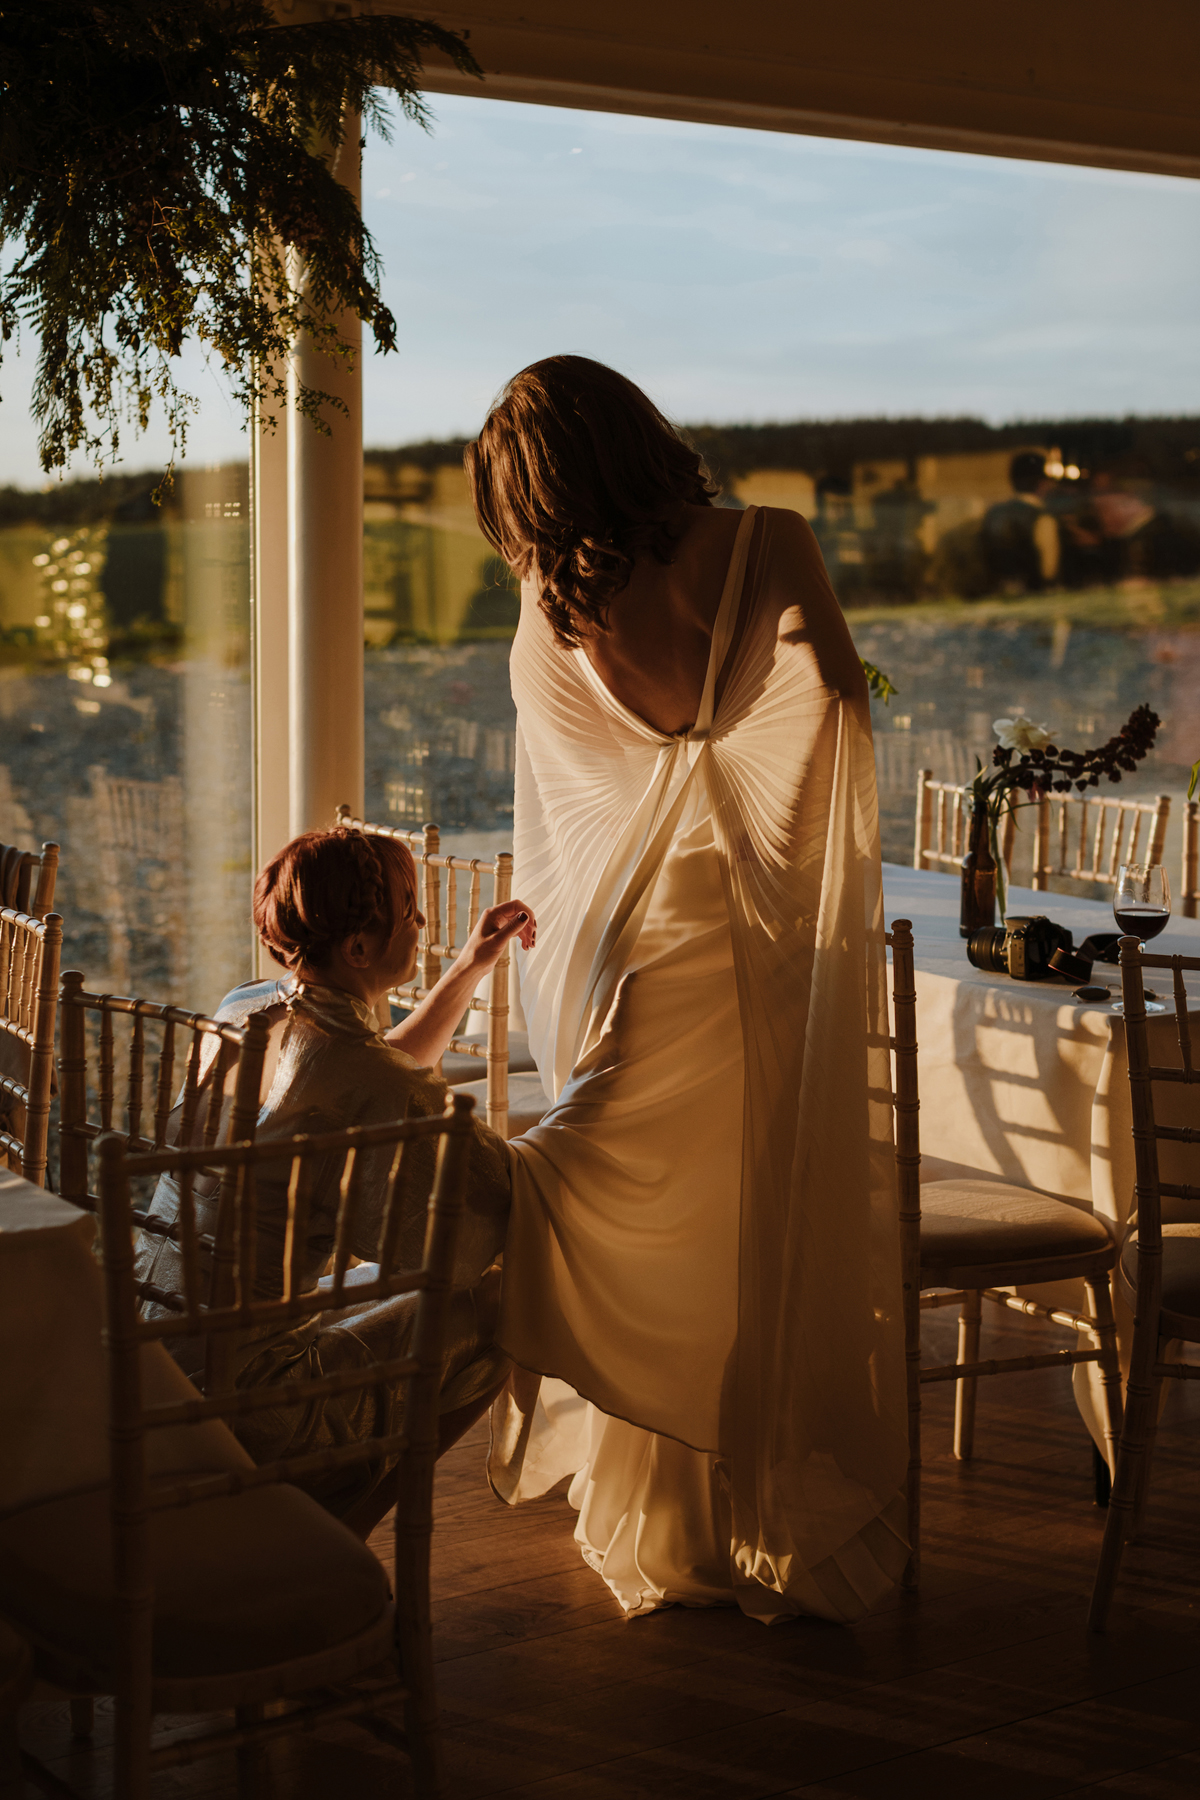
(426, 1032)
(497, 927)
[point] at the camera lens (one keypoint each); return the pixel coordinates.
(985, 950)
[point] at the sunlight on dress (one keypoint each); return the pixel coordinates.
(703, 1257)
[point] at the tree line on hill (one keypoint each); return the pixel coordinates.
(1166, 449)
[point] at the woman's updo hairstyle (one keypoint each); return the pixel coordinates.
(574, 474)
(323, 887)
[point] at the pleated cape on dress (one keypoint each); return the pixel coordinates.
(701, 1279)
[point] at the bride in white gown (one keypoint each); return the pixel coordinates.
(701, 1280)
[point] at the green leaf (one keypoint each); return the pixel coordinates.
(881, 688)
(1195, 779)
(168, 174)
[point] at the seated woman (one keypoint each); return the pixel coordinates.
(339, 911)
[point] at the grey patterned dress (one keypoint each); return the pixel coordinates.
(329, 1067)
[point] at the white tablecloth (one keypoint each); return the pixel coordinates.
(53, 1374)
(1021, 1082)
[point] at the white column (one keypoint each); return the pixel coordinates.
(269, 508)
(325, 600)
(269, 648)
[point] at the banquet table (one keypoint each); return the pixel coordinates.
(1023, 1083)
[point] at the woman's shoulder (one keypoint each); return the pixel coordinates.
(785, 543)
(427, 1091)
(789, 528)
(797, 603)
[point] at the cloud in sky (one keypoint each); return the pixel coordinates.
(744, 275)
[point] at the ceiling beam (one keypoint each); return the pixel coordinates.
(1082, 81)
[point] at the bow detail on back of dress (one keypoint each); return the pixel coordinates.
(703, 1240)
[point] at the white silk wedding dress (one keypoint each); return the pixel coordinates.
(701, 1278)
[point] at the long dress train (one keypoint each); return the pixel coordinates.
(702, 1262)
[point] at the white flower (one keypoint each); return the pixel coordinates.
(1021, 734)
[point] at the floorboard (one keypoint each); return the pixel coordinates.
(984, 1683)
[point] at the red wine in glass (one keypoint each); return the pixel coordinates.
(1143, 922)
(1142, 908)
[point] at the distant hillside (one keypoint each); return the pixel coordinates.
(205, 490)
(1166, 450)
(1163, 449)
(87, 501)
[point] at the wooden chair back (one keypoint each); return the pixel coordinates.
(906, 1102)
(1151, 1189)
(1148, 1368)
(136, 1496)
(1189, 884)
(438, 944)
(141, 1048)
(30, 950)
(943, 820)
(1083, 837)
(991, 1280)
(27, 879)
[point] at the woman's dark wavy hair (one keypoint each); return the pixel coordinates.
(575, 474)
(323, 887)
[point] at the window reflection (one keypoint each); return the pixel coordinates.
(124, 695)
(1053, 571)
(441, 609)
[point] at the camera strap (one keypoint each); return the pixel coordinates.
(1076, 964)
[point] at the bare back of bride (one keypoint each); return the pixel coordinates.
(701, 1281)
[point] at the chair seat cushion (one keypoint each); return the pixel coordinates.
(1180, 1268)
(459, 1069)
(528, 1100)
(966, 1223)
(240, 1583)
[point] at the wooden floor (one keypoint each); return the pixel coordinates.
(985, 1684)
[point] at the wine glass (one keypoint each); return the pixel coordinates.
(1142, 908)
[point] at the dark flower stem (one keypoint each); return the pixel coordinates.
(1036, 773)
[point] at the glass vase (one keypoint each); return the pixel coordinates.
(978, 907)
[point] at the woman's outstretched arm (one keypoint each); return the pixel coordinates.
(426, 1032)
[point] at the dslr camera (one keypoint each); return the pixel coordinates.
(1022, 948)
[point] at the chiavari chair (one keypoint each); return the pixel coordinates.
(943, 824)
(1189, 885)
(18, 887)
(963, 1242)
(1086, 837)
(151, 1072)
(227, 1588)
(1159, 1268)
(30, 949)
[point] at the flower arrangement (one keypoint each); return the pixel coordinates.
(1026, 761)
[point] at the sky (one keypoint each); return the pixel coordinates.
(744, 276)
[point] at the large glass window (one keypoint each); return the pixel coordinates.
(124, 695)
(977, 378)
(441, 609)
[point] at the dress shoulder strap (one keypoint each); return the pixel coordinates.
(726, 620)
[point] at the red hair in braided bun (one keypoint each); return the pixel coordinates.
(323, 887)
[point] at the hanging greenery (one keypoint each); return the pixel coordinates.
(159, 160)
